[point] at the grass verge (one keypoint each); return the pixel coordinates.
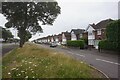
(33, 61)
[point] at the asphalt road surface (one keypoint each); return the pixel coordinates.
(107, 63)
(6, 47)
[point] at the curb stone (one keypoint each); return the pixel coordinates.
(99, 71)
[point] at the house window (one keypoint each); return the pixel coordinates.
(90, 33)
(81, 36)
(98, 32)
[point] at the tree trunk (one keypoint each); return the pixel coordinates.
(21, 42)
(22, 37)
(22, 30)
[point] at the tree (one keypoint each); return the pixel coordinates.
(25, 16)
(27, 35)
(113, 33)
(113, 37)
(6, 34)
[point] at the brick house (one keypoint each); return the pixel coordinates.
(76, 34)
(60, 38)
(97, 32)
(65, 37)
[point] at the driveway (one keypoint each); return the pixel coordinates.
(108, 63)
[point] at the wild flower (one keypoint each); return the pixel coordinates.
(46, 66)
(32, 71)
(81, 62)
(13, 68)
(30, 62)
(19, 74)
(23, 61)
(9, 73)
(22, 71)
(26, 77)
(33, 77)
(17, 69)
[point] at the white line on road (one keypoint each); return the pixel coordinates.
(76, 54)
(108, 61)
(80, 55)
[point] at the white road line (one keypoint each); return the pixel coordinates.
(76, 54)
(80, 55)
(108, 61)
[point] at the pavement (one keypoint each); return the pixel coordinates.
(6, 47)
(106, 62)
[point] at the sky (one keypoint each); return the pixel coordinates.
(76, 14)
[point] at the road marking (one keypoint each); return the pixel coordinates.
(76, 54)
(108, 61)
(80, 55)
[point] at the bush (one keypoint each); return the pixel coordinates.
(85, 40)
(76, 43)
(107, 45)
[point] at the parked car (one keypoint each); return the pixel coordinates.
(53, 45)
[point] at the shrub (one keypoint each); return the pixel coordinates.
(113, 37)
(85, 40)
(76, 43)
(107, 45)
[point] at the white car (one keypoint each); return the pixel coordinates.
(53, 45)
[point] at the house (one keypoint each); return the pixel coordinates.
(65, 37)
(60, 38)
(49, 39)
(76, 34)
(52, 39)
(56, 39)
(97, 32)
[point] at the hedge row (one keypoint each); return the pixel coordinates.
(113, 37)
(107, 45)
(76, 43)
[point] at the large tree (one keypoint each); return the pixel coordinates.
(25, 16)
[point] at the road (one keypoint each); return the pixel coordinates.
(107, 63)
(6, 47)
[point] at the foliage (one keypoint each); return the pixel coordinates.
(112, 31)
(113, 37)
(25, 16)
(107, 45)
(6, 34)
(27, 35)
(76, 43)
(85, 40)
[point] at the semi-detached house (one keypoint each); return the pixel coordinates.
(97, 32)
(77, 34)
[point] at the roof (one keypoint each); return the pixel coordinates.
(67, 35)
(102, 24)
(78, 31)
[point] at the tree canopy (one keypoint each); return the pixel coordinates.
(25, 16)
(113, 37)
(6, 34)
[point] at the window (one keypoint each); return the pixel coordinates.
(81, 36)
(90, 33)
(98, 32)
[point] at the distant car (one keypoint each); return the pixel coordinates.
(53, 45)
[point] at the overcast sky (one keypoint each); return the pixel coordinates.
(77, 15)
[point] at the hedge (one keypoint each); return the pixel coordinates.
(107, 45)
(76, 43)
(113, 31)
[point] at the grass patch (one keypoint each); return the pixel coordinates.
(33, 61)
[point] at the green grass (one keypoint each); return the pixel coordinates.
(33, 61)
